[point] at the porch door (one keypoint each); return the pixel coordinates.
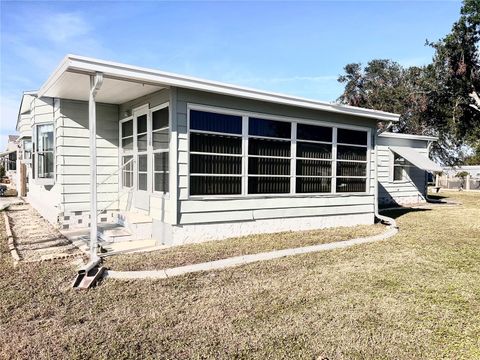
(143, 155)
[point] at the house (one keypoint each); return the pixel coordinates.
(181, 159)
(8, 158)
(403, 167)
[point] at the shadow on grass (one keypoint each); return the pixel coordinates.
(396, 213)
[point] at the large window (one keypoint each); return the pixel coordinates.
(44, 153)
(234, 154)
(127, 150)
(215, 153)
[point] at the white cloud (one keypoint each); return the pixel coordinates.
(64, 27)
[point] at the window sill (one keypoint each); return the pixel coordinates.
(44, 181)
(269, 196)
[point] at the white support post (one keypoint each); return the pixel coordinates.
(95, 85)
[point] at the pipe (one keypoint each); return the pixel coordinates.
(96, 82)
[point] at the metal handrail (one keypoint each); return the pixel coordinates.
(99, 212)
(117, 170)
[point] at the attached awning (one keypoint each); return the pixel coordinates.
(2, 154)
(416, 158)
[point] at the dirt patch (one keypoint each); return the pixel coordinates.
(35, 239)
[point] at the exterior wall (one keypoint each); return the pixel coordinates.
(217, 218)
(24, 124)
(160, 208)
(409, 191)
(45, 198)
(73, 162)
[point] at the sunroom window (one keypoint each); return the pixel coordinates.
(234, 154)
(160, 146)
(269, 156)
(44, 153)
(352, 147)
(215, 153)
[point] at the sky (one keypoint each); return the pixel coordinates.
(297, 48)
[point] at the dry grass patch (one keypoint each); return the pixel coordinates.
(414, 296)
(215, 250)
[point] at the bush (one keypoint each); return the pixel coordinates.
(2, 171)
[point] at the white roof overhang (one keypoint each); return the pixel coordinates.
(416, 158)
(408, 136)
(125, 82)
(3, 153)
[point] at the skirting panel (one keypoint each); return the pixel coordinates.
(195, 233)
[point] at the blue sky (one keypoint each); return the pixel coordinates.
(296, 47)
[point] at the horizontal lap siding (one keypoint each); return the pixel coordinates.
(415, 187)
(247, 209)
(73, 154)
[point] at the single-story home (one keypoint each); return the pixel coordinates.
(181, 159)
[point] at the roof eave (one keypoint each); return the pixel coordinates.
(90, 66)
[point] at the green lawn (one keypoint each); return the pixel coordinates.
(414, 296)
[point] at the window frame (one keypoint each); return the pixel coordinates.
(167, 150)
(123, 153)
(405, 177)
(36, 179)
(294, 121)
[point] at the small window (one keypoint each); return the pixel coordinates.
(44, 152)
(27, 149)
(314, 133)
(127, 171)
(269, 128)
(142, 136)
(127, 135)
(142, 173)
(354, 137)
(399, 167)
(214, 122)
(160, 146)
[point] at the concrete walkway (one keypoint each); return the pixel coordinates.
(245, 259)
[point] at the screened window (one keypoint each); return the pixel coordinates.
(27, 149)
(269, 156)
(215, 153)
(160, 146)
(400, 168)
(127, 171)
(44, 151)
(233, 154)
(314, 159)
(127, 135)
(142, 183)
(142, 136)
(351, 163)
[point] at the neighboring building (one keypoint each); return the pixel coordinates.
(473, 170)
(8, 158)
(403, 168)
(197, 160)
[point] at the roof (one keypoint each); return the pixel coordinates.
(3, 153)
(408, 136)
(71, 80)
(416, 158)
(25, 104)
(12, 138)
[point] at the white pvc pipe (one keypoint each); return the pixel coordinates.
(95, 85)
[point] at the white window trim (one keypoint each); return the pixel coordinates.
(139, 111)
(37, 180)
(405, 178)
(245, 136)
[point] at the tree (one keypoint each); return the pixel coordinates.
(442, 98)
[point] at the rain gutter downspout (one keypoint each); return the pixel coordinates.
(96, 82)
(384, 219)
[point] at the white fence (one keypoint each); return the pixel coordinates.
(457, 183)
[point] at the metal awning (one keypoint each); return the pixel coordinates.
(3, 153)
(416, 158)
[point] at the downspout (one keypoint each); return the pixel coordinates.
(384, 219)
(96, 82)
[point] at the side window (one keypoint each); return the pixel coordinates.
(44, 153)
(398, 165)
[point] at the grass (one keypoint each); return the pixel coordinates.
(215, 250)
(414, 296)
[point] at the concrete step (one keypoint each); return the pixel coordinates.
(139, 225)
(112, 233)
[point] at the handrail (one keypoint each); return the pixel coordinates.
(113, 201)
(116, 171)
